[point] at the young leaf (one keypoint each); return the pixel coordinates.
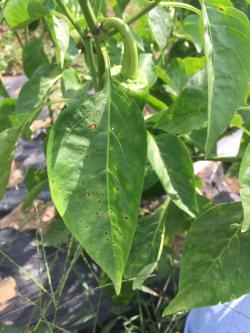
(33, 56)
(29, 104)
(59, 30)
(215, 264)
(3, 91)
(149, 233)
(244, 178)
(19, 13)
(171, 161)
(161, 25)
(189, 110)
(96, 158)
(8, 141)
(227, 45)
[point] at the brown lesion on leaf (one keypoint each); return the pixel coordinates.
(7, 291)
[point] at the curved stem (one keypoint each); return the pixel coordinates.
(130, 57)
(180, 5)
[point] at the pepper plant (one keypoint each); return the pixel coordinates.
(143, 95)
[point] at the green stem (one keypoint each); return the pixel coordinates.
(130, 65)
(216, 159)
(91, 62)
(98, 7)
(180, 5)
(89, 16)
(152, 5)
(244, 108)
(71, 18)
(142, 12)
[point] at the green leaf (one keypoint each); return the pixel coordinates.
(170, 159)
(227, 45)
(192, 31)
(189, 110)
(150, 234)
(96, 175)
(215, 264)
(60, 33)
(161, 25)
(71, 87)
(244, 178)
(35, 180)
(56, 234)
(8, 142)
(147, 67)
(33, 56)
(29, 104)
(3, 91)
(19, 13)
(35, 92)
(7, 106)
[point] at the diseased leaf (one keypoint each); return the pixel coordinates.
(19, 13)
(149, 234)
(244, 178)
(227, 46)
(96, 158)
(33, 56)
(215, 264)
(161, 25)
(171, 161)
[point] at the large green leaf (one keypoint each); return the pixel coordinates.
(96, 159)
(150, 234)
(215, 264)
(227, 46)
(171, 161)
(19, 13)
(244, 178)
(190, 24)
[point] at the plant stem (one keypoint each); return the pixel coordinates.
(218, 158)
(180, 5)
(71, 18)
(91, 62)
(142, 12)
(89, 16)
(97, 7)
(152, 5)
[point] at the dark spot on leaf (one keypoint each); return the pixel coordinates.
(107, 239)
(125, 238)
(221, 9)
(92, 126)
(117, 189)
(126, 217)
